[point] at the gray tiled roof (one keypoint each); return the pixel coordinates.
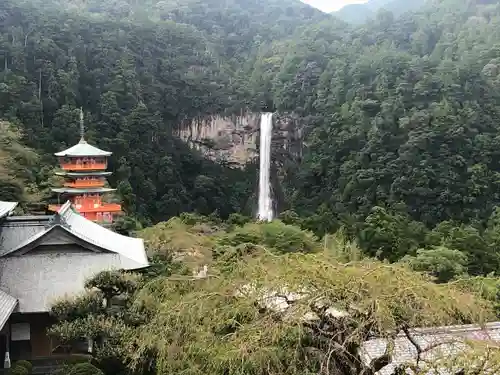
(83, 174)
(132, 248)
(18, 229)
(38, 280)
(83, 149)
(79, 191)
(17, 234)
(7, 306)
(6, 208)
(445, 341)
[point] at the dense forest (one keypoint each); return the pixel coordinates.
(402, 113)
(359, 13)
(391, 213)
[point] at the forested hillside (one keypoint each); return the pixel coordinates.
(360, 13)
(403, 113)
(391, 211)
(135, 81)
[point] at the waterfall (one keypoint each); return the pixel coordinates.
(265, 212)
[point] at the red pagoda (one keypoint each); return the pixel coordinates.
(84, 169)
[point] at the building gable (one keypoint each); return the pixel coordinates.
(43, 258)
(66, 231)
(16, 230)
(56, 239)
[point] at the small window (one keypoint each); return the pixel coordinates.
(20, 332)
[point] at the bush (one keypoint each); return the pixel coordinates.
(442, 263)
(19, 370)
(26, 364)
(85, 369)
(193, 219)
(274, 235)
(75, 359)
(69, 362)
(238, 220)
(237, 314)
(78, 306)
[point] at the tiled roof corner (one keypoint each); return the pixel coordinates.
(6, 208)
(7, 306)
(64, 208)
(83, 149)
(93, 233)
(78, 226)
(439, 341)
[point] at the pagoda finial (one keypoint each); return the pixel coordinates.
(82, 127)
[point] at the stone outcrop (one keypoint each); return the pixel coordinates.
(235, 140)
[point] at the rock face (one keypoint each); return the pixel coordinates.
(235, 140)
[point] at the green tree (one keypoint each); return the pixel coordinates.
(17, 165)
(390, 236)
(442, 263)
(105, 316)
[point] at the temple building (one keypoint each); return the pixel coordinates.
(84, 168)
(44, 259)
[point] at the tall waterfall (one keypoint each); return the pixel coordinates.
(265, 202)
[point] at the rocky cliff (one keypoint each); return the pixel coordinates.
(235, 140)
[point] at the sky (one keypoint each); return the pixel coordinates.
(331, 5)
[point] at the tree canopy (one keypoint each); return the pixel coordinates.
(401, 111)
(400, 164)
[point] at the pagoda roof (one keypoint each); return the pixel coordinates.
(82, 148)
(83, 174)
(78, 191)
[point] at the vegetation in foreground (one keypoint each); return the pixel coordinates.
(172, 320)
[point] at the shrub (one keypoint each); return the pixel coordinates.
(26, 364)
(19, 370)
(75, 359)
(69, 363)
(193, 219)
(177, 240)
(242, 313)
(442, 263)
(274, 235)
(85, 369)
(78, 306)
(64, 370)
(237, 220)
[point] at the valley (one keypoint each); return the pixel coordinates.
(382, 123)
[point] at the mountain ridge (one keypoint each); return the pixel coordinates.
(360, 13)
(382, 104)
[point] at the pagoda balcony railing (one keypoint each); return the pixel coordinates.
(84, 166)
(84, 184)
(106, 207)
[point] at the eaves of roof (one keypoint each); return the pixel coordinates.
(84, 232)
(83, 149)
(6, 208)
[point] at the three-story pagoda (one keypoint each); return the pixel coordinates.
(84, 168)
